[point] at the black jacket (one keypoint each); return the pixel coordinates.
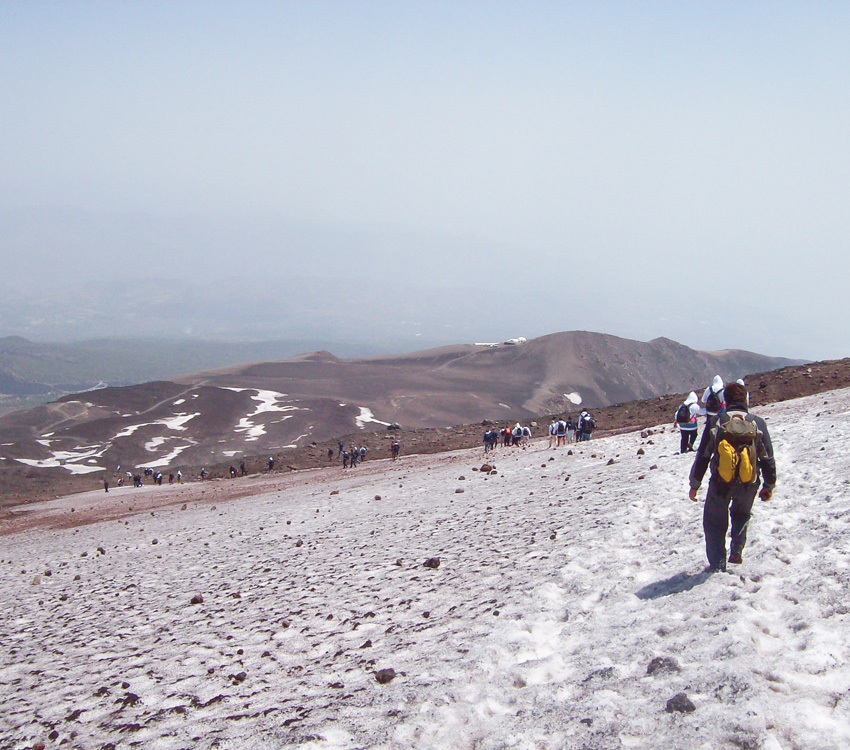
(708, 447)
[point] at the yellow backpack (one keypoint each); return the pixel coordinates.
(736, 450)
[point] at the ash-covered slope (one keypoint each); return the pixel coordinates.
(269, 407)
(569, 608)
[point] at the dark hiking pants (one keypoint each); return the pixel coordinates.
(723, 502)
(689, 437)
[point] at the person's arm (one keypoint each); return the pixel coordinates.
(702, 458)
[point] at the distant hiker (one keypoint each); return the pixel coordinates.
(330, 454)
(271, 463)
(341, 448)
(586, 425)
(353, 453)
(120, 481)
(553, 432)
(362, 452)
(686, 421)
(232, 471)
(203, 474)
(713, 401)
(516, 434)
(345, 459)
(394, 449)
(243, 471)
(526, 436)
(171, 478)
(736, 450)
(560, 433)
(179, 476)
(158, 478)
(571, 430)
(106, 485)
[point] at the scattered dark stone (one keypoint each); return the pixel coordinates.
(125, 685)
(130, 699)
(487, 468)
(336, 685)
(101, 550)
(432, 562)
(587, 721)
(334, 492)
(155, 541)
(385, 675)
(553, 535)
(54, 735)
(183, 507)
(377, 497)
(610, 462)
(240, 677)
(641, 452)
(461, 478)
(298, 543)
(367, 644)
(662, 664)
(399, 562)
(653, 467)
(426, 614)
(197, 599)
(681, 703)
(458, 491)
(570, 452)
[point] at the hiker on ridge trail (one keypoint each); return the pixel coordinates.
(686, 421)
(736, 450)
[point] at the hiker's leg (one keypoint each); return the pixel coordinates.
(715, 521)
(740, 510)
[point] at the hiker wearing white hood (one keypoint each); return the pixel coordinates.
(686, 421)
(714, 399)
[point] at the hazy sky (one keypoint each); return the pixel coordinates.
(689, 162)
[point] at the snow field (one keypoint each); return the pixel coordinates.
(560, 582)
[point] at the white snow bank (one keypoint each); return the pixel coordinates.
(365, 417)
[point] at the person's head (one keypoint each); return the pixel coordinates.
(736, 394)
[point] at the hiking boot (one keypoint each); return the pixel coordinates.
(717, 568)
(735, 558)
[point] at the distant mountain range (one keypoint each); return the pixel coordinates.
(270, 407)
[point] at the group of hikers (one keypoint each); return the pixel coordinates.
(156, 477)
(736, 450)
(563, 431)
(518, 435)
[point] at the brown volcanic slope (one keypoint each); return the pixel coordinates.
(279, 408)
(466, 383)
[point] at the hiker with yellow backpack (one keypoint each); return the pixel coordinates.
(739, 453)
